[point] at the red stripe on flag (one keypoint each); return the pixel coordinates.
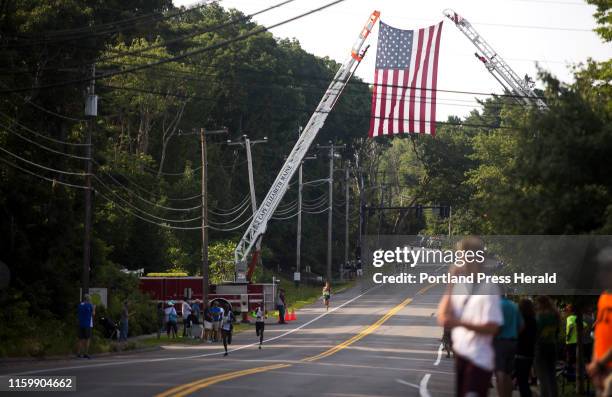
(434, 81)
(402, 103)
(393, 102)
(413, 83)
(373, 112)
(383, 102)
(423, 114)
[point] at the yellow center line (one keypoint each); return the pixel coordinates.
(361, 334)
(189, 388)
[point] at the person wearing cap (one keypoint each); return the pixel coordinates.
(260, 324)
(86, 313)
(170, 317)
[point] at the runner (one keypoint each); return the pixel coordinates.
(227, 325)
(260, 324)
(326, 295)
(86, 314)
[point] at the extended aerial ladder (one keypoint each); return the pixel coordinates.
(522, 89)
(256, 229)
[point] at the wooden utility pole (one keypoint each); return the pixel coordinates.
(204, 174)
(91, 110)
(204, 194)
(331, 148)
(346, 218)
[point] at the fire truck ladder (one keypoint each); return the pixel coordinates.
(260, 220)
(503, 73)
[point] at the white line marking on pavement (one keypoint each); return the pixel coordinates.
(423, 386)
(439, 355)
(152, 360)
(403, 382)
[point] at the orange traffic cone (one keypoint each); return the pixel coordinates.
(287, 316)
(293, 316)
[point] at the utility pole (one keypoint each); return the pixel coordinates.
(346, 217)
(91, 110)
(331, 148)
(298, 254)
(247, 144)
(204, 197)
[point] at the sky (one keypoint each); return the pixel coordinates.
(552, 33)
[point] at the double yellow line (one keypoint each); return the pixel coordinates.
(361, 334)
(192, 387)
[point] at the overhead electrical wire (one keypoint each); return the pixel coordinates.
(54, 181)
(134, 194)
(150, 193)
(58, 141)
(230, 221)
(186, 54)
(42, 166)
(94, 31)
(11, 131)
(231, 211)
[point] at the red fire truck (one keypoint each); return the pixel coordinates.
(242, 297)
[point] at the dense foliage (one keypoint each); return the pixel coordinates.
(502, 169)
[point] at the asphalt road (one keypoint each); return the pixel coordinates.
(380, 341)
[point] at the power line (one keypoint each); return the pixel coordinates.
(42, 166)
(177, 57)
(11, 120)
(134, 194)
(54, 181)
(148, 191)
(11, 131)
(78, 33)
(140, 209)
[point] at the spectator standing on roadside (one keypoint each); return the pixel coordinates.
(217, 314)
(123, 333)
(474, 314)
(281, 305)
(208, 324)
(571, 338)
(86, 314)
(547, 323)
(260, 324)
(186, 314)
(171, 318)
(525, 349)
(504, 345)
(600, 367)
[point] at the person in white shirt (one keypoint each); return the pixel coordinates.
(186, 312)
(475, 317)
(260, 323)
(227, 325)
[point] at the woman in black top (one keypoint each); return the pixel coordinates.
(525, 347)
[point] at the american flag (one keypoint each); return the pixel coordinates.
(405, 80)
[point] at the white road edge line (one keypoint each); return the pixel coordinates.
(439, 355)
(403, 382)
(152, 360)
(423, 386)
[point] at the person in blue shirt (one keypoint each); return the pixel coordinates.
(505, 344)
(217, 314)
(86, 312)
